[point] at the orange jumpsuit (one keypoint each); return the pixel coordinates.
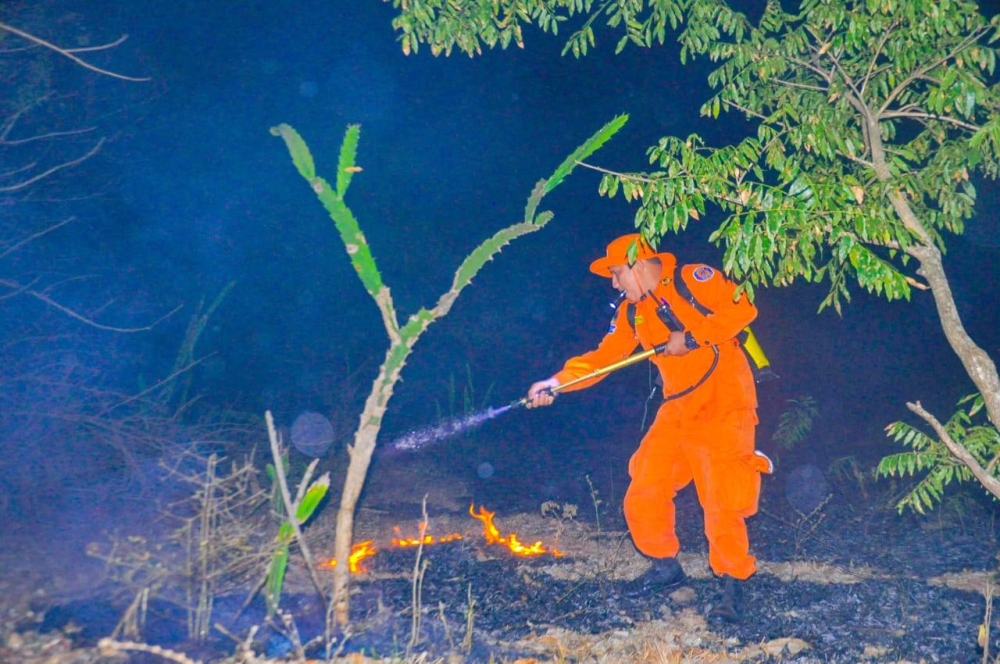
(707, 435)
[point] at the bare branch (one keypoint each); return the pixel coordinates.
(35, 236)
(160, 383)
(58, 167)
(38, 295)
(42, 137)
(69, 53)
(17, 289)
(99, 47)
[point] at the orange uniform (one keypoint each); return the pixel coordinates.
(706, 435)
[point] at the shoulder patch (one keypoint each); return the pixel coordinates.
(703, 273)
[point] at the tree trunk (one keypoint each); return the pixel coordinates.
(981, 369)
(360, 454)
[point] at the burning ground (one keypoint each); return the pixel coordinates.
(852, 582)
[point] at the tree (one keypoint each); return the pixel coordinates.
(867, 121)
(402, 336)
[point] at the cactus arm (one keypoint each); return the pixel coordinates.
(588, 148)
(297, 148)
(343, 219)
(345, 165)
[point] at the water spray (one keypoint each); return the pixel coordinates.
(456, 425)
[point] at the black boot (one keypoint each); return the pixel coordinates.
(729, 608)
(664, 574)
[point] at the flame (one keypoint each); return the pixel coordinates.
(359, 552)
(401, 542)
(364, 550)
(493, 536)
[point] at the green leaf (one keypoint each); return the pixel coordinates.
(276, 579)
(312, 498)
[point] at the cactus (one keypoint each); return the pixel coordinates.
(401, 337)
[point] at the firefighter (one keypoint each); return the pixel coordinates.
(704, 429)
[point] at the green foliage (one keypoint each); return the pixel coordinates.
(305, 506)
(796, 422)
(866, 115)
(445, 25)
(869, 118)
(929, 457)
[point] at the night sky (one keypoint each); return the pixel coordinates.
(192, 191)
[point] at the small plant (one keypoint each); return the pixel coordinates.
(597, 502)
(563, 513)
(847, 471)
(470, 619)
(796, 422)
(213, 547)
(417, 584)
(310, 494)
(937, 460)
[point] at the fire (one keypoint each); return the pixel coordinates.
(493, 536)
(364, 550)
(401, 542)
(359, 552)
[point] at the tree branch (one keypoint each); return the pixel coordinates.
(822, 73)
(799, 86)
(745, 110)
(923, 115)
(41, 176)
(35, 236)
(42, 137)
(38, 295)
(878, 51)
(922, 71)
(69, 53)
(964, 456)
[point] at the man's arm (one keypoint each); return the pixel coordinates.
(616, 345)
(713, 290)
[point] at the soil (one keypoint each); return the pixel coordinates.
(851, 582)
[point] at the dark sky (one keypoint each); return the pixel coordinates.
(201, 194)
